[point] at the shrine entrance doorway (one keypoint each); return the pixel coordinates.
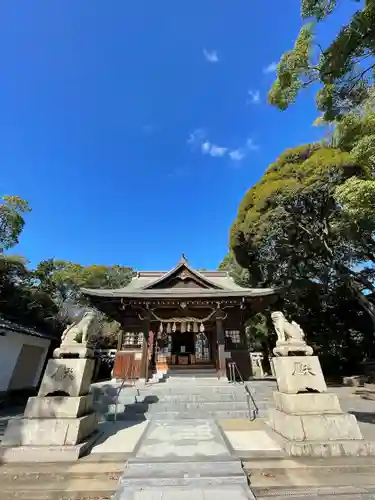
(183, 348)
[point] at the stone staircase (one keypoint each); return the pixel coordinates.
(182, 397)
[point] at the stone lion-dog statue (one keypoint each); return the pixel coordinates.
(290, 336)
(86, 328)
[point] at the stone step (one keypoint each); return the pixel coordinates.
(206, 491)
(196, 414)
(182, 474)
(208, 406)
(177, 406)
(60, 481)
(196, 390)
(192, 374)
(71, 489)
(198, 398)
(348, 478)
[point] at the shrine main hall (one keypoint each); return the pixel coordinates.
(182, 319)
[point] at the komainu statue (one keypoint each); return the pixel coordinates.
(84, 329)
(290, 337)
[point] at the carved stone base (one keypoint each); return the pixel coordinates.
(67, 377)
(307, 403)
(49, 431)
(296, 374)
(341, 448)
(30, 454)
(314, 425)
(308, 427)
(58, 406)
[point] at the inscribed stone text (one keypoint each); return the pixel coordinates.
(63, 372)
(302, 369)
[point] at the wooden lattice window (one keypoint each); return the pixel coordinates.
(132, 340)
(232, 338)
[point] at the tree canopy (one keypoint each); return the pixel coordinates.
(344, 69)
(307, 226)
(12, 210)
(49, 296)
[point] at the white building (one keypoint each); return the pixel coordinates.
(23, 353)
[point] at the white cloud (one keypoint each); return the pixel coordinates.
(271, 68)
(218, 151)
(250, 144)
(213, 150)
(211, 56)
(236, 155)
(241, 153)
(254, 97)
(196, 137)
(206, 146)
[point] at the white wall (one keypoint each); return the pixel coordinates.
(10, 348)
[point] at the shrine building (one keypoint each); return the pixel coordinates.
(182, 319)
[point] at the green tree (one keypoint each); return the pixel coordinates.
(20, 301)
(64, 279)
(344, 69)
(12, 210)
(294, 227)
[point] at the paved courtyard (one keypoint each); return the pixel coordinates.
(206, 458)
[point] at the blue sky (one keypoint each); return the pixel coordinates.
(134, 127)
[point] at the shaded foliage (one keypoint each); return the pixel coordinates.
(22, 302)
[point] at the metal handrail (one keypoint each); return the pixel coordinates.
(131, 367)
(233, 368)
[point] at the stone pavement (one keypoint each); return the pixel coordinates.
(176, 460)
(205, 457)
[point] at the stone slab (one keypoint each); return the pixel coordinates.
(58, 406)
(354, 380)
(296, 374)
(69, 377)
(240, 424)
(292, 348)
(183, 439)
(45, 454)
(119, 436)
(74, 350)
(324, 449)
(172, 493)
(251, 441)
(199, 469)
(314, 427)
(48, 431)
(307, 403)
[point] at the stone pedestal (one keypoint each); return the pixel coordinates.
(294, 347)
(368, 392)
(308, 417)
(58, 424)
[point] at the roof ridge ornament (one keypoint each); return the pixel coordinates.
(183, 259)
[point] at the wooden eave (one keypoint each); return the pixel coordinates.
(178, 293)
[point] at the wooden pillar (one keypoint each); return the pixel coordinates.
(222, 371)
(145, 347)
(120, 338)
